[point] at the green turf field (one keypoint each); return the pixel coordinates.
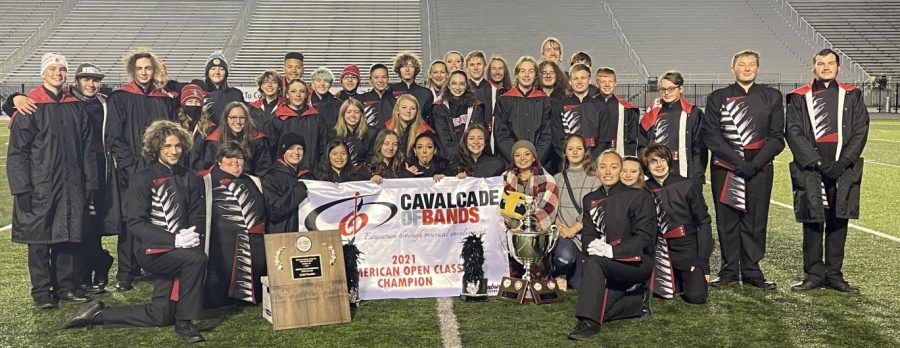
(735, 316)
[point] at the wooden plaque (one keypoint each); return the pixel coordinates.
(545, 291)
(307, 282)
(512, 290)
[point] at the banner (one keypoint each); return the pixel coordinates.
(410, 231)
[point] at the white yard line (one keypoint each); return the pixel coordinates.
(851, 225)
(449, 325)
(886, 140)
(854, 226)
(4, 228)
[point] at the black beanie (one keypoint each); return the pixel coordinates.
(287, 140)
(217, 58)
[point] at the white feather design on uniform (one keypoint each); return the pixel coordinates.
(238, 208)
(663, 279)
(370, 113)
(164, 208)
(738, 129)
(660, 132)
(571, 121)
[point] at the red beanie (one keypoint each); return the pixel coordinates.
(191, 91)
(351, 69)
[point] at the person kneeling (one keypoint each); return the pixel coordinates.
(165, 213)
(619, 235)
(684, 242)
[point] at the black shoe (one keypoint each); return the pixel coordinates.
(124, 285)
(45, 304)
(760, 282)
(646, 311)
(585, 329)
(101, 282)
(72, 296)
(806, 285)
(842, 286)
(86, 317)
(722, 282)
(188, 332)
(93, 289)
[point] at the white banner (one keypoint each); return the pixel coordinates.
(410, 231)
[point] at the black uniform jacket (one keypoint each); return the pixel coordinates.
(160, 202)
(523, 117)
(306, 122)
(51, 162)
(625, 216)
(131, 110)
(808, 204)
(450, 119)
(284, 191)
(682, 213)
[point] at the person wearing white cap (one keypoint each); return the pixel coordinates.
(51, 170)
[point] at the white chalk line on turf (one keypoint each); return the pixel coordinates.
(4, 228)
(867, 161)
(886, 140)
(854, 226)
(449, 325)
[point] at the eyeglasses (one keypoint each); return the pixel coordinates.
(237, 118)
(668, 90)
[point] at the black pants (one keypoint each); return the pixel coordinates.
(189, 266)
(125, 250)
(95, 261)
(608, 290)
(692, 285)
(742, 235)
(53, 268)
(834, 234)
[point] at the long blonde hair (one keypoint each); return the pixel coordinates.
(397, 124)
(340, 127)
(129, 60)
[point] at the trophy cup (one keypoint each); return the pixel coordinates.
(528, 246)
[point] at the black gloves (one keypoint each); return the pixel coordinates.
(746, 170)
(834, 170)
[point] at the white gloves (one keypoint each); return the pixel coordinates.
(598, 247)
(187, 238)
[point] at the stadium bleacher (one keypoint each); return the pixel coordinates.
(579, 25)
(256, 33)
(183, 32)
(867, 30)
(328, 33)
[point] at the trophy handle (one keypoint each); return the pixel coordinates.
(554, 236)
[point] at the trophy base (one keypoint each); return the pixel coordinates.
(517, 290)
(474, 292)
(473, 298)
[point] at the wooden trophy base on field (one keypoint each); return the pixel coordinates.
(307, 283)
(518, 290)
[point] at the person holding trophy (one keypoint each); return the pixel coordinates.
(619, 236)
(526, 176)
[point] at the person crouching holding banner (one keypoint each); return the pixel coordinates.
(684, 242)
(236, 222)
(619, 236)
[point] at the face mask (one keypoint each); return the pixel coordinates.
(193, 111)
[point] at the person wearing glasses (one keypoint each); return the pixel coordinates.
(239, 128)
(675, 122)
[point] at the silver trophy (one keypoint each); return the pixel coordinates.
(529, 245)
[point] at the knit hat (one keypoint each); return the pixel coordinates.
(89, 70)
(526, 144)
(294, 55)
(287, 140)
(351, 69)
(217, 58)
(51, 58)
(191, 91)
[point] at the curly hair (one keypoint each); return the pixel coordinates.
(129, 60)
(156, 134)
(404, 57)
